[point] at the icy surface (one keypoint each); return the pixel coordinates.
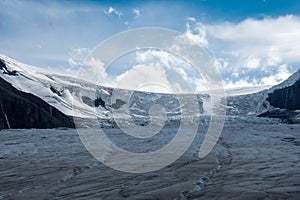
(254, 158)
(249, 162)
(255, 104)
(76, 97)
(62, 92)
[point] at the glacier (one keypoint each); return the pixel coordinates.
(255, 157)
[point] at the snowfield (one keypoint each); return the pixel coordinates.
(83, 99)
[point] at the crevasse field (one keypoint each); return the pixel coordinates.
(253, 159)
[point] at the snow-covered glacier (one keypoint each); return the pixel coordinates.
(254, 158)
(84, 100)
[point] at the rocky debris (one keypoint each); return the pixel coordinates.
(287, 116)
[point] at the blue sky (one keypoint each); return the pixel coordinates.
(255, 41)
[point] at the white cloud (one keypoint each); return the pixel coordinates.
(80, 51)
(238, 84)
(180, 74)
(77, 55)
(252, 62)
(110, 10)
(273, 57)
(281, 75)
(221, 63)
(256, 50)
(113, 11)
(72, 62)
(196, 32)
(93, 70)
(145, 77)
(248, 53)
(272, 39)
(136, 12)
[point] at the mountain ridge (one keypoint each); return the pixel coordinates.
(82, 99)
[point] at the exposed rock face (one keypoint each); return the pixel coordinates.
(285, 103)
(287, 98)
(5, 70)
(22, 110)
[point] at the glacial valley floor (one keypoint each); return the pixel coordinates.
(250, 161)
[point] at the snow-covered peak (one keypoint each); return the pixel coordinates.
(61, 91)
(83, 99)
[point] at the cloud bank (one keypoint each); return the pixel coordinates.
(256, 51)
(253, 52)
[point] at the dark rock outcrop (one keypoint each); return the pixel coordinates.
(23, 110)
(56, 91)
(287, 116)
(93, 103)
(99, 102)
(286, 98)
(285, 103)
(5, 70)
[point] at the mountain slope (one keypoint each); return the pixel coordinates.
(285, 103)
(52, 88)
(85, 100)
(288, 97)
(22, 110)
(280, 101)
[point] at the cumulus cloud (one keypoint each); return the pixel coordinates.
(253, 52)
(113, 11)
(149, 77)
(257, 49)
(126, 16)
(196, 32)
(252, 62)
(180, 74)
(238, 84)
(153, 70)
(136, 12)
(72, 62)
(92, 70)
(274, 39)
(75, 60)
(281, 75)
